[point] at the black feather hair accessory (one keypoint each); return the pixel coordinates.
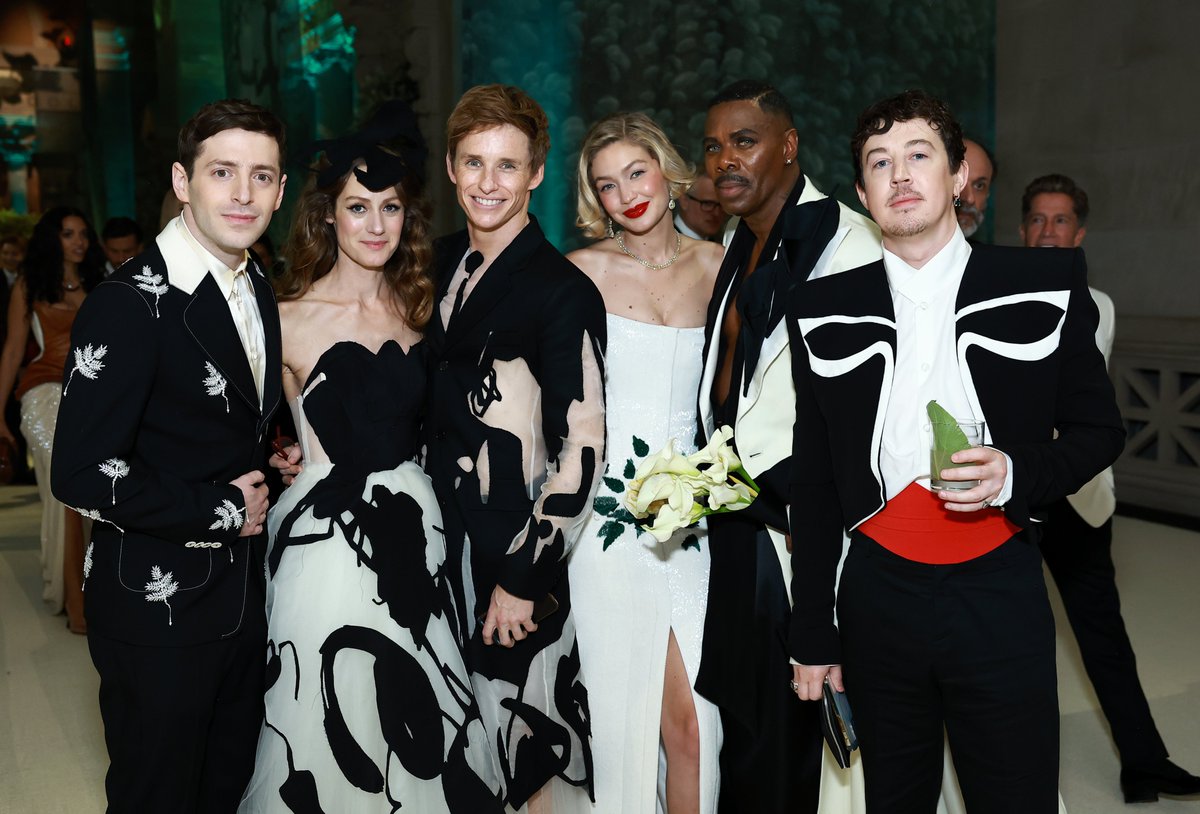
(390, 145)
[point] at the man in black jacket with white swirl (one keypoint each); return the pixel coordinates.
(943, 626)
(174, 372)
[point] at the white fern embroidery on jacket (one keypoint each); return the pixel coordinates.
(87, 363)
(94, 514)
(115, 469)
(152, 283)
(214, 384)
(160, 588)
(87, 564)
(229, 516)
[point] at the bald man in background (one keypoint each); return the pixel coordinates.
(974, 197)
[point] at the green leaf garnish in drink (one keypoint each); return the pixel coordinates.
(948, 438)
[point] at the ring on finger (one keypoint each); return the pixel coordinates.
(795, 687)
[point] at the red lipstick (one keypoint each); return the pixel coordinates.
(637, 211)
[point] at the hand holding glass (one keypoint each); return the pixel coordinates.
(949, 436)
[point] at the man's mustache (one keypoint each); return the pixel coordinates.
(731, 180)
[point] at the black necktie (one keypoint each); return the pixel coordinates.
(474, 261)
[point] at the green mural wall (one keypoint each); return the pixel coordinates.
(582, 60)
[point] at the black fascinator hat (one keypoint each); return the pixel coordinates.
(390, 144)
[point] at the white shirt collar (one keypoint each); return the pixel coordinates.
(942, 272)
(188, 261)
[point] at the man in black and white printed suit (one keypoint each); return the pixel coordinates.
(174, 372)
(943, 626)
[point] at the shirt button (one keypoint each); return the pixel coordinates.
(924, 306)
(444, 366)
(925, 367)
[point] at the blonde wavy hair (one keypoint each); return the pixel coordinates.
(634, 128)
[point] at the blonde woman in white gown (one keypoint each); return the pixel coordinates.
(639, 605)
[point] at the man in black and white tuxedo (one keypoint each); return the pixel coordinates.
(175, 370)
(942, 611)
(789, 233)
(1077, 545)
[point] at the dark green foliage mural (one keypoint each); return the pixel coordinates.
(831, 58)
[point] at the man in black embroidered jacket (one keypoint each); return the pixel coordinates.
(944, 622)
(174, 374)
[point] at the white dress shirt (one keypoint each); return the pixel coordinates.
(926, 364)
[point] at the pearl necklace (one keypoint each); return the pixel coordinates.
(69, 287)
(647, 263)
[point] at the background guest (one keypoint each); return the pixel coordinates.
(973, 201)
(62, 265)
(121, 238)
(698, 212)
(1077, 545)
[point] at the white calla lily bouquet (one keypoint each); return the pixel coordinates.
(674, 491)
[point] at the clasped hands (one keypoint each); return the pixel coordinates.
(990, 469)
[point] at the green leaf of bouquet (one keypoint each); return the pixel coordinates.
(691, 541)
(623, 516)
(609, 532)
(605, 505)
(616, 484)
(640, 448)
(630, 470)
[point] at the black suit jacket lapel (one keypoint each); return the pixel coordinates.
(208, 320)
(496, 281)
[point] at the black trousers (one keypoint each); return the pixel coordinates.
(965, 649)
(180, 723)
(1080, 560)
(771, 756)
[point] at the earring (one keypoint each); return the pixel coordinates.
(670, 203)
(957, 202)
(788, 162)
(610, 233)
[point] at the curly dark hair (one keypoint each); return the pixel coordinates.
(43, 266)
(904, 107)
(312, 248)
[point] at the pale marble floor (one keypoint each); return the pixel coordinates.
(52, 750)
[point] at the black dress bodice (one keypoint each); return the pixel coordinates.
(367, 409)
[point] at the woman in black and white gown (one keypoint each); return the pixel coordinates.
(369, 706)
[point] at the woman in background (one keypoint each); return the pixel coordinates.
(62, 264)
(640, 604)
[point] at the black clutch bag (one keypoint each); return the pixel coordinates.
(837, 724)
